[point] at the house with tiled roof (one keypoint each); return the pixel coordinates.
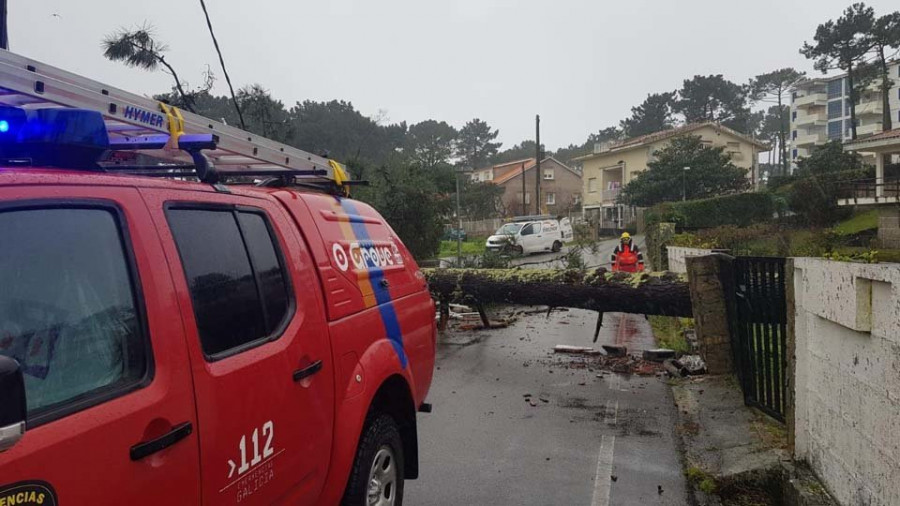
(613, 165)
(561, 186)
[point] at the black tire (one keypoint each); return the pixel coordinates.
(519, 250)
(381, 431)
(556, 246)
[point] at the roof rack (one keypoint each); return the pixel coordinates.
(187, 144)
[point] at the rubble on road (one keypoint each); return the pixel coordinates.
(576, 350)
(628, 364)
(615, 350)
(659, 354)
(692, 364)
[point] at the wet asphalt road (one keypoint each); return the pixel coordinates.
(484, 444)
(553, 260)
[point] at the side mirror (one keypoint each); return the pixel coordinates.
(13, 410)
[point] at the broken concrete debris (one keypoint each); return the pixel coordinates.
(615, 350)
(692, 364)
(576, 350)
(658, 354)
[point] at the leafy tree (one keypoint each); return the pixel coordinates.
(711, 173)
(480, 200)
(566, 154)
(411, 204)
(843, 44)
(716, 99)
(653, 115)
(430, 143)
(885, 35)
(521, 151)
(775, 122)
(139, 48)
(773, 87)
(813, 194)
(336, 128)
(264, 115)
(475, 146)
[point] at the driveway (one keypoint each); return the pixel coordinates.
(584, 439)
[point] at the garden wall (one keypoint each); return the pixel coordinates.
(846, 376)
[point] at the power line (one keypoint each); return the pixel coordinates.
(222, 61)
(4, 38)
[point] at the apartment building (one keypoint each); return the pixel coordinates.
(820, 111)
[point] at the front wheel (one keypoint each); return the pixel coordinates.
(556, 246)
(377, 475)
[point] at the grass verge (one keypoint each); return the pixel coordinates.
(669, 332)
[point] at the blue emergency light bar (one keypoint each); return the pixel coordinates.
(53, 137)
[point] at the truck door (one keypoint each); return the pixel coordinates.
(88, 315)
(259, 348)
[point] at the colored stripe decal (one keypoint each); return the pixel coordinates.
(370, 281)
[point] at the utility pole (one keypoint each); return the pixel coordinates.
(4, 38)
(537, 172)
(524, 202)
(458, 224)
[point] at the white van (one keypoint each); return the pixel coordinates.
(531, 234)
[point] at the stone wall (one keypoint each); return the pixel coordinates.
(846, 376)
(678, 254)
(658, 236)
(889, 227)
(710, 280)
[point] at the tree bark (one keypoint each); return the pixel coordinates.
(852, 103)
(663, 293)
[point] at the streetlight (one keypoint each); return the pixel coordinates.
(683, 185)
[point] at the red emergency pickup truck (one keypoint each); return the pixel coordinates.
(172, 342)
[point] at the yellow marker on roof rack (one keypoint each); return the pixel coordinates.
(340, 175)
(176, 124)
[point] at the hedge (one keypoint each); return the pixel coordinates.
(741, 210)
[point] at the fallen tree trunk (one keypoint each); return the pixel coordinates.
(597, 289)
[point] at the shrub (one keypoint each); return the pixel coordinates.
(742, 209)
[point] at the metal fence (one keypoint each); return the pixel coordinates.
(868, 188)
(759, 332)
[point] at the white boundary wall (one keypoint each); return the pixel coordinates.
(847, 377)
(677, 254)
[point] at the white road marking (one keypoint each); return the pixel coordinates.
(603, 480)
(610, 416)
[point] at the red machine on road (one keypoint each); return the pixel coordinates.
(627, 257)
(226, 327)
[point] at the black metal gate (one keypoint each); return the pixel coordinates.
(759, 332)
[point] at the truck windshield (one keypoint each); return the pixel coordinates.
(509, 229)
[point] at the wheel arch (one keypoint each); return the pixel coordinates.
(394, 398)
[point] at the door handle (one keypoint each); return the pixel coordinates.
(168, 439)
(308, 371)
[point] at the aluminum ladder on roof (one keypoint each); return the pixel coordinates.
(27, 83)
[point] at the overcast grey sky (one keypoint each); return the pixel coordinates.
(580, 64)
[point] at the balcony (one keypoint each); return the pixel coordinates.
(811, 100)
(609, 196)
(868, 192)
(807, 120)
(870, 129)
(867, 109)
(809, 140)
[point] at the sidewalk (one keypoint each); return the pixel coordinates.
(736, 455)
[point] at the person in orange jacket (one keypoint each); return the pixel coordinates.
(627, 257)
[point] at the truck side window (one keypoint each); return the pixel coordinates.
(528, 229)
(68, 310)
(238, 285)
